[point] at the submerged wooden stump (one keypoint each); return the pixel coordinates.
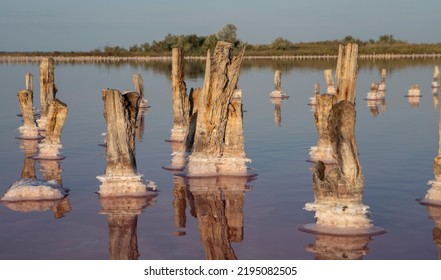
(214, 112)
(121, 177)
(139, 87)
(29, 129)
(47, 89)
(51, 145)
(277, 92)
(330, 88)
(338, 193)
(323, 151)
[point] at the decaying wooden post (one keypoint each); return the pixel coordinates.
(29, 81)
(277, 92)
(347, 72)
(220, 83)
(29, 129)
(122, 220)
(330, 88)
(121, 177)
(181, 103)
(338, 193)
(436, 76)
(51, 145)
(323, 151)
(139, 87)
(382, 86)
(47, 89)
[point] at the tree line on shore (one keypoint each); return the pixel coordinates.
(195, 45)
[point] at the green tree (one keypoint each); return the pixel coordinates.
(281, 44)
(227, 33)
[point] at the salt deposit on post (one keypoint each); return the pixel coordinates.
(218, 141)
(277, 92)
(121, 177)
(50, 147)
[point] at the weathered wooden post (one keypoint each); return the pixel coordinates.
(47, 89)
(50, 147)
(330, 88)
(277, 92)
(29, 81)
(338, 193)
(122, 220)
(29, 129)
(382, 86)
(121, 177)
(139, 87)
(436, 76)
(347, 72)
(220, 83)
(181, 103)
(323, 151)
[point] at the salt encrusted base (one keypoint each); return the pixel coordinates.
(41, 122)
(324, 154)
(49, 152)
(144, 103)
(312, 100)
(278, 94)
(178, 134)
(178, 162)
(227, 166)
(435, 84)
(29, 189)
(382, 87)
(433, 195)
(114, 186)
(343, 216)
(413, 93)
(29, 133)
(375, 95)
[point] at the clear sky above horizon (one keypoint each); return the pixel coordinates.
(83, 25)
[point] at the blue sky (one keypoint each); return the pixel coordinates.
(83, 25)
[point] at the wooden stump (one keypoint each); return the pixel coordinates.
(347, 72)
(57, 114)
(29, 129)
(277, 92)
(139, 87)
(29, 81)
(330, 88)
(181, 103)
(323, 151)
(47, 89)
(221, 77)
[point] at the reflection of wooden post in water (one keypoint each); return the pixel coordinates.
(47, 89)
(181, 104)
(179, 204)
(57, 114)
(140, 123)
(214, 112)
(122, 219)
(330, 88)
(29, 129)
(323, 150)
(435, 214)
(219, 203)
(328, 247)
(346, 72)
(277, 112)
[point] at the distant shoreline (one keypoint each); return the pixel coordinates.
(8, 58)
